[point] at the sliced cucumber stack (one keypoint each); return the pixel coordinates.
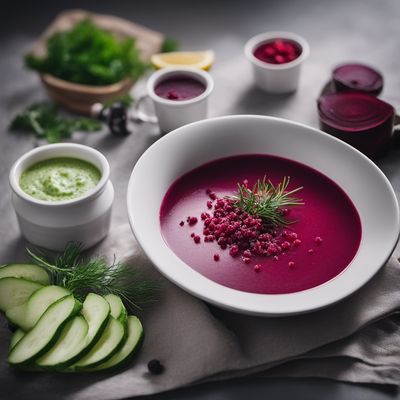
(16, 291)
(38, 340)
(26, 315)
(30, 272)
(79, 335)
(128, 350)
(56, 332)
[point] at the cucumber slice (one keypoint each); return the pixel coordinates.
(30, 272)
(78, 337)
(118, 310)
(16, 337)
(26, 315)
(45, 332)
(129, 349)
(109, 343)
(69, 344)
(15, 291)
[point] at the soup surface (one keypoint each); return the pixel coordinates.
(327, 226)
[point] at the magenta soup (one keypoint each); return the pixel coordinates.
(319, 244)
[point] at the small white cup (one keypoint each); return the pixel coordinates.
(276, 78)
(171, 114)
(52, 225)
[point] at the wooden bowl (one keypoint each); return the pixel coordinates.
(78, 97)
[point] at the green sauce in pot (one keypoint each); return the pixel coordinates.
(58, 179)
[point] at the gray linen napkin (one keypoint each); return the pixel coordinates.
(357, 340)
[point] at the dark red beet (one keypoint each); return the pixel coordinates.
(350, 77)
(359, 119)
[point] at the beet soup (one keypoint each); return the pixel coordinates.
(201, 225)
(179, 88)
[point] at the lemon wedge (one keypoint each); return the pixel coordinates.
(194, 59)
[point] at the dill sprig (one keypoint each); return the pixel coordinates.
(266, 200)
(82, 276)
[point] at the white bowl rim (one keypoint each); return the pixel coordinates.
(105, 173)
(256, 40)
(225, 294)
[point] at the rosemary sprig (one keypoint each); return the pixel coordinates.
(70, 270)
(266, 200)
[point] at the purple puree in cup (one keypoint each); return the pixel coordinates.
(359, 119)
(179, 88)
(328, 225)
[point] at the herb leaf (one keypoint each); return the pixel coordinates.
(266, 200)
(169, 44)
(43, 120)
(70, 270)
(89, 55)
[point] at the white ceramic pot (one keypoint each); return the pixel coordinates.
(276, 78)
(171, 114)
(52, 225)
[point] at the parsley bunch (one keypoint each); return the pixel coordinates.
(89, 55)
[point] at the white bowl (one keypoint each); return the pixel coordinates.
(52, 225)
(171, 114)
(276, 78)
(195, 144)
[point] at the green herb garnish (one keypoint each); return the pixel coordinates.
(43, 120)
(169, 44)
(266, 201)
(89, 55)
(82, 276)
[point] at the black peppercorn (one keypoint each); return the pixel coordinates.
(155, 367)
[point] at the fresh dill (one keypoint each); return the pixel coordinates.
(267, 201)
(82, 276)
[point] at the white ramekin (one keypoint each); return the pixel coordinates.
(172, 114)
(52, 225)
(276, 78)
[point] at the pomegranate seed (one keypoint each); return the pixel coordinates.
(181, 223)
(276, 258)
(297, 242)
(234, 251)
(246, 260)
(216, 257)
(257, 268)
(192, 235)
(173, 95)
(212, 196)
(311, 251)
(279, 59)
(209, 204)
(192, 221)
(318, 240)
(291, 264)
(208, 191)
(247, 253)
(270, 51)
(285, 245)
(196, 239)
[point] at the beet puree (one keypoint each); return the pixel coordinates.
(328, 225)
(179, 88)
